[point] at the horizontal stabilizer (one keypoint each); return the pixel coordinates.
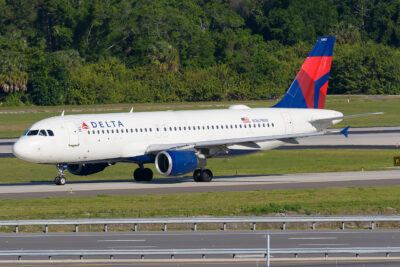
(345, 117)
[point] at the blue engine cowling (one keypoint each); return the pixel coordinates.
(173, 163)
(86, 169)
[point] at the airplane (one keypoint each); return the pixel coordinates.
(181, 142)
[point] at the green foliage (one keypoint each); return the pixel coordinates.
(49, 79)
(365, 69)
(83, 52)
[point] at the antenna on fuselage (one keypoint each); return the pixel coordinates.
(131, 110)
(62, 113)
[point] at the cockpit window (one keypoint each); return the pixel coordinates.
(50, 132)
(43, 133)
(33, 132)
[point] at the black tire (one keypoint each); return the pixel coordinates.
(197, 175)
(60, 180)
(147, 174)
(137, 175)
(206, 176)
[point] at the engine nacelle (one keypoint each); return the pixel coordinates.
(174, 163)
(86, 169)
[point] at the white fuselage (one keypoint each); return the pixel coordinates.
(126, 136)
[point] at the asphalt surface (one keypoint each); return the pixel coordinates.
(204, 239)
(200, 239)
(218, 184)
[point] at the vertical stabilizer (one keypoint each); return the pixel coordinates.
(309, 88)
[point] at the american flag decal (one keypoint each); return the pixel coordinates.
(245, 120)
(84, 126)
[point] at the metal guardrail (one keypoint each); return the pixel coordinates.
(203, 252)
(196, 220)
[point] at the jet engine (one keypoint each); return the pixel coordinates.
(86, 169)
(174, 163)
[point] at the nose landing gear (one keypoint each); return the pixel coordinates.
(202, 175)
(142, 174)
(60, 178)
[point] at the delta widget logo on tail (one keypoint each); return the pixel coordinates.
(309, 88)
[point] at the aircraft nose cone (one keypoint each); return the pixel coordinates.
(18, 149)
(23, 149)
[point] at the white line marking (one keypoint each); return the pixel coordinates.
(123, 240)
(311, 238)
(323, 244)
(125, 247)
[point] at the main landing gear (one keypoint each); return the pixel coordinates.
(142, 174)
(202, 175)
(60, 179)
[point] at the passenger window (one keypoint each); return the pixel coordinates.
(240, 125)
(216, 126)
(108, 131)
(131, 130)
(245, 126)
(263, 124)
(112, 131)
(116, 131)
(180, 128)
(50, 132)
(33, 132)
(249, 126)
(102, 131)
(184, 128)
(145, 129)
(272, 124)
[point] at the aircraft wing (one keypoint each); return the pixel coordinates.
(227, 142)
(345, 117)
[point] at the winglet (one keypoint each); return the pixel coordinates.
(62, 113)
(345, 131)
(131, 111)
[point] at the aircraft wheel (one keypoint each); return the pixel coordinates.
(206, 176)
(60, 180)
(147, 174)
(197, 175)
(137, 175)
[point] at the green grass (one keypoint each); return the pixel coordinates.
(15, 120)
(331, 201)
(269, 162)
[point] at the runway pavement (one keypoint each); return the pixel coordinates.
(219, 184)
